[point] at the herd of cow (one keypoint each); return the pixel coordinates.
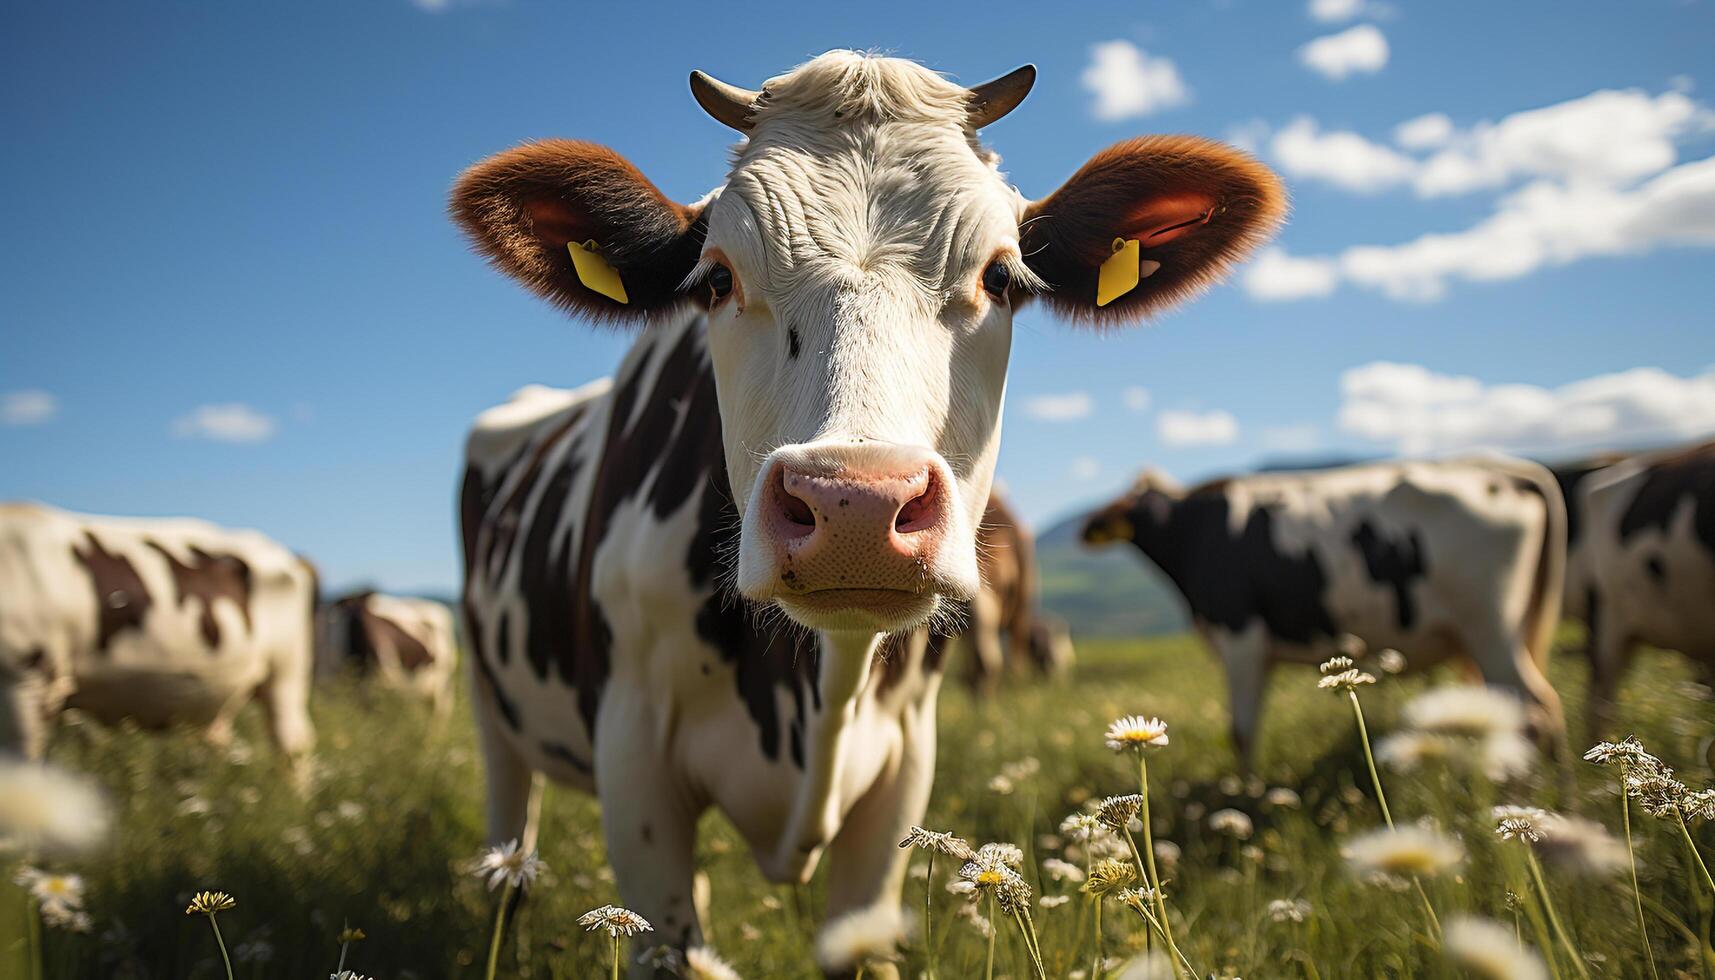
(729, 576)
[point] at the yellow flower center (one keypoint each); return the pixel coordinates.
(990, 877)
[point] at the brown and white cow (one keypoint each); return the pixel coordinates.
(1642, 560)
(1436, 559)
(677, 583)
(170, 621)
(1007, 628)
(408, 644)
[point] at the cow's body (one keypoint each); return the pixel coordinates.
(408, 644)
(161, 621)
(1007, 627)
(1434, 559)
(1642, 561)
(610, 653)
(715, 581)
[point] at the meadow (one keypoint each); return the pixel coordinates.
(383, 840)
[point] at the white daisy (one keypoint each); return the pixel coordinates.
(1403, 851)
(508, 863)
(1490, 950)
(1136, 732)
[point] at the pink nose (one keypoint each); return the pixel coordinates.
(856, 530)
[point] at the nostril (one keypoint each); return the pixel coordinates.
(792, 508)
(920, 512)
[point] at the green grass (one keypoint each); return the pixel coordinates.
(397, 811)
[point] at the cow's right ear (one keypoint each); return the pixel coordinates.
(521, 208)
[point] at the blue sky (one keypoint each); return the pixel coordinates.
(228, 289)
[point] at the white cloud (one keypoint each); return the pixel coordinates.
(1137, 398)
(1060, 408)
(1275, 275)
(1298, 438)
(228, 422)
(1426, 132)
(1336, 11)
(1343, 159)
(1608, 137)
(1419, 411)
(1356, 49)
(29, 406)
(432, 6)
(1086, 468)
(1128, 81)
(1182, 428)
(1542, 224)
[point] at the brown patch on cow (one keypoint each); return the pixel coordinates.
(121, 599)
(368, 633)
(521, 208)
(1137, 189)
(210, 577)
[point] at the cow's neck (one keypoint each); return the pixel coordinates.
(816, 807)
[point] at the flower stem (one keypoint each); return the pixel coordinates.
(1560, 932)
(988, 969)
(1637, 896)
(499, 924)
(615, 937)
(1370, 759)
(218, 941)
(1096, 963)
(337, 970)
(928, 899)
(1143, 911)
(1030, 947)
(34, 925)
(1149, 852)
(1691, 845)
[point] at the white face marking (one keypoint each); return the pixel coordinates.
(861, 243)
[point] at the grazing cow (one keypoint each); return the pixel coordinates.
(1435, 559)
(1007, 603)
(170, 621)
(410, 644)
(1642, 561)
(688, 587)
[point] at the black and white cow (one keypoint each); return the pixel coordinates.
(407, 644)
(678, 583)
(1642, 560)
(1442, 559)
(171, 621)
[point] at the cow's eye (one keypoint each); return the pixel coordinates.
(997, 278)
(720, 282)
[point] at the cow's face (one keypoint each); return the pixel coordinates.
(1132, 515)
(859, 269)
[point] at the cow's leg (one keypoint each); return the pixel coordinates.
(286, 697)
(1244, 655)
(649, 820)
(508, 777)
(1503, 657)
(866, 866)
(988, 660)
(1609, 649)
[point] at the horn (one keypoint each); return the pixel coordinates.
(729, 104)
(994, 99)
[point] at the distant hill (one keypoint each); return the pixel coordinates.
(1114, 591)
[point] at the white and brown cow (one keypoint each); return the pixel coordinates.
(408, 644)
(1006, 628)
(1436, 559)
(1642, 561)
(680, 585)
(169, 621)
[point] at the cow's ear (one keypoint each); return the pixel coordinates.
(1194, 206)
(522, 208)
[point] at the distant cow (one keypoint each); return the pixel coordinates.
(1435, 559)
(1008, 604)
(686, 588)
(409, 644)
(171, 621)
(1642, 561)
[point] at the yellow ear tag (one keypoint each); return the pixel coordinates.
(595, 272)
(1119, 274)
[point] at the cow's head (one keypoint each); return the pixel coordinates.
(860, 268)
(1131, 516)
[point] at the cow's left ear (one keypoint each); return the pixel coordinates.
(1194, 206)
(523, 207)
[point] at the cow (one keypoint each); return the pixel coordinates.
(409, 644)
(1436, 559)
(1008, 604)
(1642, 562)
(697, 584)
(163, 621)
